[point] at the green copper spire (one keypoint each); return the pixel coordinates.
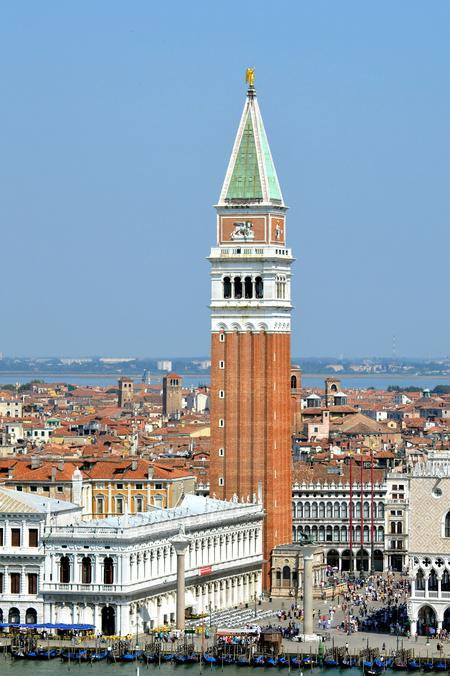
(251, 175)
(245, 180)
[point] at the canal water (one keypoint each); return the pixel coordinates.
(55, 667)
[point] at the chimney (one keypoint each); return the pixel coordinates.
(60, 466)
(150, 472)
(53, 474)
(134, 465)
(35, 462)
(10, 472)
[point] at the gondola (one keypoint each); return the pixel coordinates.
(399, 665)
(192, 658)
(283, 661)
(167, 657)
(227, 659)
(330, 663)
(149, 658)
(259, 661)
(209, 659)
(296, 661)
(271, 662)
(131, 656)
(49, 654)
(180, 659)
(440, 666)
(347, 662)
(413, 665)
(98, 656)
(69, 655)
(369, 669)
(242, 661)
(308, 662)
(427, 666)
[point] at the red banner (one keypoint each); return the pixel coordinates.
(206, 570)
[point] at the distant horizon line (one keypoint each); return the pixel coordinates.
(207, 357)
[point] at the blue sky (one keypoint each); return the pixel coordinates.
(117, 121)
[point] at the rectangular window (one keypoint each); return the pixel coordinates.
(222, 337)
(221, 422)
(158, 487)
(33, 489)
(33, 537)
(221, 394)
(221, 481)
(15, 583)
(139, 487)
(221, 452)
(139, 504)
(221, 364)
(119, 487)
(15, 537)
(119, 505)
(60, 489)
(99, 505)
(32, 583)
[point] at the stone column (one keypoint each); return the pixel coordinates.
(180, 544)
(308, 625)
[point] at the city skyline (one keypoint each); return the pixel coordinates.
(111, 189)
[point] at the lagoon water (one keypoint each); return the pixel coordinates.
(9, 667)
(381, 382)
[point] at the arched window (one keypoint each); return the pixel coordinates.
(108, 570)
(336, 534)
(321, 533)
(337, 510)
(286, 576)
(86, 570)
(392, 527)
(14, 616)
(307, 510)
(259, 287)
(380, 510)
(64, 570)
(447, 525)
(329, 534)
(314, 510)
(293, 382)
(432, 581)
(248, 287)
(237, 287)
(366, 510)
(329, 510)
(300, 510)
(358, 510)
(31, 616)
(445, 583)
(321, 510)
(227, 287)
(344, 511)
(399, 527)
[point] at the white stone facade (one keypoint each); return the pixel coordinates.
(223, 565)
(23, 520)
(429, 546)
(322, 511)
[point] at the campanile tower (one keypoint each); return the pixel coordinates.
(251, 324)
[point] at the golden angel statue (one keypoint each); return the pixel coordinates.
(250, 77)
